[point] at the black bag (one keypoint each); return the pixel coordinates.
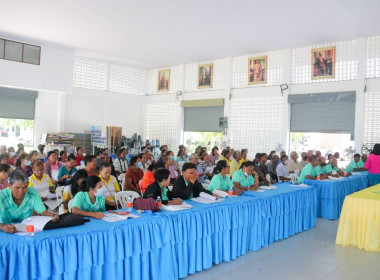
(66, 220)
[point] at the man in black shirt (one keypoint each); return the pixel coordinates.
(187, 185)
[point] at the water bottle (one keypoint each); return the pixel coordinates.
(129, 203)
(29, 228)
(230, 192)
(158, 201)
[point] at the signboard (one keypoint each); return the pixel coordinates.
(99, 136)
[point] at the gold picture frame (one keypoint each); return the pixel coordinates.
(257, 70)
(323, 63)
(163, 82)
(205, 75)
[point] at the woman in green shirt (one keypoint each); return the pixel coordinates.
(243, 179)
(221, 180)
(18, 202)
(90, 201)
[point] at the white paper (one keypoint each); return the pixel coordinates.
(111, 217)
(54, 175)
(38, 222)
(220, 193)
(335, 178)
(209, 170)
(259, 190)
(268, 187)
(180, 207)
(297, 172)
(355, 173)
(205, 200)
(49, 195)
(207, 196)
(300, 185)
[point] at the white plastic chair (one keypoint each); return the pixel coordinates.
(70, 205)
(59, 193)
(294, 178)
(121, 179)
(121, 197)
(140, 185)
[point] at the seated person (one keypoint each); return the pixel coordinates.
(63, 156)
(148, 177)
(282, 169)
(4, 158)
(235, 163)
(198, 167)
(356, 164)
(221, 179)
(52, 166)
(43, 184)
(364, 158)
(244, 154)
(104, 157)
(75, 185)
(4, 170)
(110, 185)
(181, 156)
(80, 157)
(18, 202)
(160, 188)
(89, 202)
(120, 163)
(226, 155)
(294, 164)
(133, 176)
(271, 166)
(66, 171)
(187, 185)
(40, 153)
(171, 165)
(91, 165)
(144, 164)
(262, 170)
(309, 172)
(243, 179)
(333, 165)
(24, 164)
(321, 163)
(33, 155)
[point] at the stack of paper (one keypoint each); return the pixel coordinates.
(38, 222)
(299, 185)
(111, 217)
(335, 178)
(206, 198)
(268, 187)
(180, 207)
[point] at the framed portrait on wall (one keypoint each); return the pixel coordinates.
(323, 63)
(163, 83)
(257, 70)
(205, 75)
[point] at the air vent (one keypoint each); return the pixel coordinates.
(20, 52)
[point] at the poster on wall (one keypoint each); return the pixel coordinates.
(99, 136)
(205, 75)
(323, 63)
(163, 83)
(257, 70)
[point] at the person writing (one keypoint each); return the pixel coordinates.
(19, 202)
(309, 172)
(67, 170)
(187, 185)
(160, 188)
(243, 179)
(221, 179)
(356, 164)
(90, 201)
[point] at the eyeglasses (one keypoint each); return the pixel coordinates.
(39, 171)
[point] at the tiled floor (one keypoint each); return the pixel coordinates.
(307, 255)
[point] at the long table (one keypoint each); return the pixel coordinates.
(165, 245)
(360, 220)
(331, 193)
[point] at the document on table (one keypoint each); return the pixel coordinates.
(335, 178)
(268, 187)
(206, 198)
(300, 185)
(38, 222)
(183, 206)
(50, 195)
(111, 217)
(222, 194)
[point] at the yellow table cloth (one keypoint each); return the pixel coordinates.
(359, 223)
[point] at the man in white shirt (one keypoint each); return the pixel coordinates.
(282, 170)
(294, 164)
(120, 164)
(304, 160)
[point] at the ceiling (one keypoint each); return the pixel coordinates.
(160, 33)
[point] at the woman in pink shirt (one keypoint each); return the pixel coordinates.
(373, 166)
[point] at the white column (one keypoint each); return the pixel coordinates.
(181, 120)
(359, 106)
(61, 108)
(285, 139)
(227, 94)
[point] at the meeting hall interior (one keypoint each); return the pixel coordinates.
(164, 140)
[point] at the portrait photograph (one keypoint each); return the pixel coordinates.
(323, 63)
(257, 70)
(205, 75)
(163, 80)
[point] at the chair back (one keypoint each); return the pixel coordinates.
(70, 205)
(294, 178)
(121, 198)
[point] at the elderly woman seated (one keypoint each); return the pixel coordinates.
(52, 166)
(160, 188)
(90, 201)
(172, 166)
(18, 202)
(67, 170)
(43, 184)
(110, 185)
(24, 164)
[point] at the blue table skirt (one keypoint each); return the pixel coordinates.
(165, 245)
(373, 179)
(331, 194)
